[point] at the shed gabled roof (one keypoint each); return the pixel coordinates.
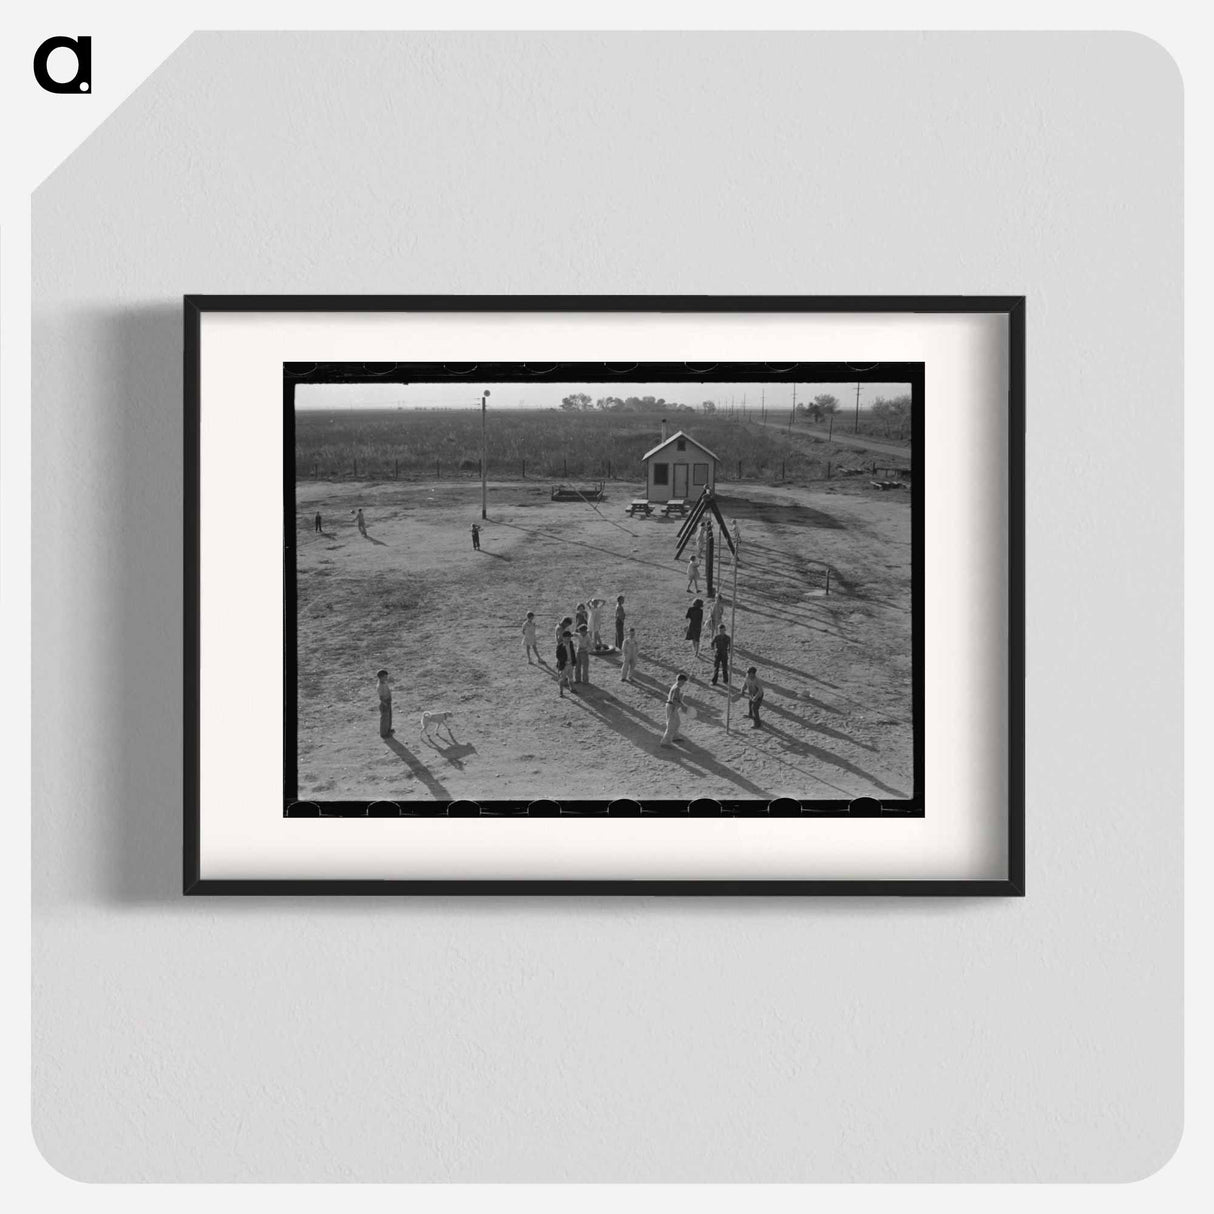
(667, 442)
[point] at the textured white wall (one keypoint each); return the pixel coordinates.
(626, 1039)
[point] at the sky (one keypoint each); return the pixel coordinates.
(467, 394)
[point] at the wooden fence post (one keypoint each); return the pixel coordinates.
(396, 474)
(739, 469)
(356, 467)
(524, 469)
(566, 465)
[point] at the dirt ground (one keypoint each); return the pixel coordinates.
(445, 620)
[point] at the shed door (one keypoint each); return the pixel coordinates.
(680, 480)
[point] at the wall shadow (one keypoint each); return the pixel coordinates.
(130, 628)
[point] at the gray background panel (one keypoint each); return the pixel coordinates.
(629, 1039)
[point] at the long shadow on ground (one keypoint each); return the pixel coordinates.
(645, 731)
(800, 747)
(419, 769)
(789, 513)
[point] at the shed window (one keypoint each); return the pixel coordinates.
(661, 474)
(680, 444)
(699, 474)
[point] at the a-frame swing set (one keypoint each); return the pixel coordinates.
(686, 534)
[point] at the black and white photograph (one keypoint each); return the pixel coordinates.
(513, 583)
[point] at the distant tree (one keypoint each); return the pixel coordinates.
(823, 405)
(709, 406)
(576, 400)
(893, 414)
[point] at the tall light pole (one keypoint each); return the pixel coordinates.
(484, 459)
(857, 409)
(733, 618)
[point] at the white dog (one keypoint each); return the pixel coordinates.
(433, 720)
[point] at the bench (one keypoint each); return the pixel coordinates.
(639, 506)
(676, 505)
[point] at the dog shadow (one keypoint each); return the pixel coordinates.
(453, 753)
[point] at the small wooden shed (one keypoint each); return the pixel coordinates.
(678, 467)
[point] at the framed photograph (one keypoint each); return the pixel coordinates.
(662, 595)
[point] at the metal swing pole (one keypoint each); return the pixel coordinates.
(484, 458)
(733, 618)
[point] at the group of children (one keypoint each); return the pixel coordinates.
(579, 635)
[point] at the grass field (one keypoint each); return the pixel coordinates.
(413, 597)
(543, 444)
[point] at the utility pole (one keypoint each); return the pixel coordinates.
(733, 618)
(857, 408)
(793, 411)
(484, 460)
(763, 407)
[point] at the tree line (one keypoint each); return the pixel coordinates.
(577, 402)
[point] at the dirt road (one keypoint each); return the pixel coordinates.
(858, 441)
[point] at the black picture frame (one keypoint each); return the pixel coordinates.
(1010, 307)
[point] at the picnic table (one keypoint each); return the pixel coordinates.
(640, 505)
(676, 505)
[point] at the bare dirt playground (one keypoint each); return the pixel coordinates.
(445, 620)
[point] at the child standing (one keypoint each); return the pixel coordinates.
(317, 525)
(629, 649)
(476, 537)
(564, 662)
(695, 621)
(752, 689)
(529, 638)
(716, 615)
(693, 576)
(583, 655)
(596, 622)
(385, 705)
(674, 703)
(580, 615)
(720, 655)
(362, 522)
(619, 621)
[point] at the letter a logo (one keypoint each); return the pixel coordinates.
(82, 81)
